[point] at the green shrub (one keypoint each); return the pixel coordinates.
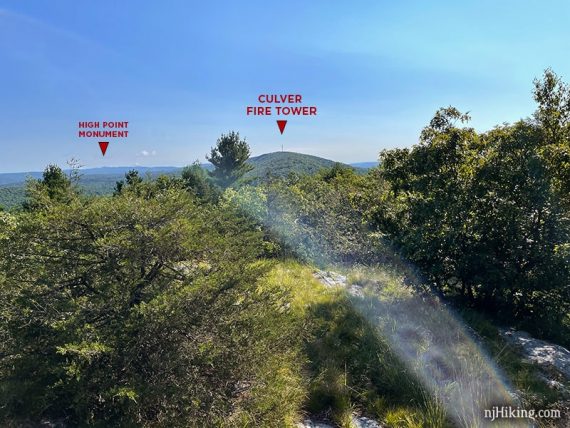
(138, 310)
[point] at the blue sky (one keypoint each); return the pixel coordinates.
(182, 72)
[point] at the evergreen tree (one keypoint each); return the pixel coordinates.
(54, 186)
(229, 158)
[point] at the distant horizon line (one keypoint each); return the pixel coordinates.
(173, 166)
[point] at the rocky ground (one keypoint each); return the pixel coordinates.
(357, 421)
(545, 354)
(333, 279)
(554, 360)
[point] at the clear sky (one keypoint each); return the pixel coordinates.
(182, 72)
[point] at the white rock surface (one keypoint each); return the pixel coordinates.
(545, 354)
(358, 422)
(307, 423)
(331, 279)
(363, 422)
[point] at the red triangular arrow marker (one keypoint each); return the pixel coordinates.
(281, 124)
(103, 145)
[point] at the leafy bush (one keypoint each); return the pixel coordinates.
(488, 215)
(138, 310)
(318, 219)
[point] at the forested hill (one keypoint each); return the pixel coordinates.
(100, 181)
(281, 164)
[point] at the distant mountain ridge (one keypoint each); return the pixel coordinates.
(20, 177)
(365, 165)
(100, 181)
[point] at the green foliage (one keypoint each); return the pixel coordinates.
(12, 196)
(349, 365)
(553, 118)
(54, 187)
(283, 165)
(486, 215)
(156, 307)
(265, 167)
(150, 309)
(132, 178)
(229, 158)
(55, 181)
(149, 188)
(525, 376)
(315, 218)
(197, 181)
(137, 310)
